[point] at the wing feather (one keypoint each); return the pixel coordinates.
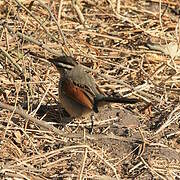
(77, 94)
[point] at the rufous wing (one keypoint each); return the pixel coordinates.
(77, 94)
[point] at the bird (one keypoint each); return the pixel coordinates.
(79, 94)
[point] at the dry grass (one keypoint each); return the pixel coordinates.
(110, 37)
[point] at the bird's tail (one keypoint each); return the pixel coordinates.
(111, 99)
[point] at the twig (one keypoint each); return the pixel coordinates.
(76, 7)
(30, 39)
(151, 169)
(11, 60)
(41, 24)
(83, 164)
(173, 116)
(23, 114)
(59, 28)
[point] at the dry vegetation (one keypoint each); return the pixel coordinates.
(111, 38)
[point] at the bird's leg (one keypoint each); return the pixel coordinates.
(92, 122)
(95, 105)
